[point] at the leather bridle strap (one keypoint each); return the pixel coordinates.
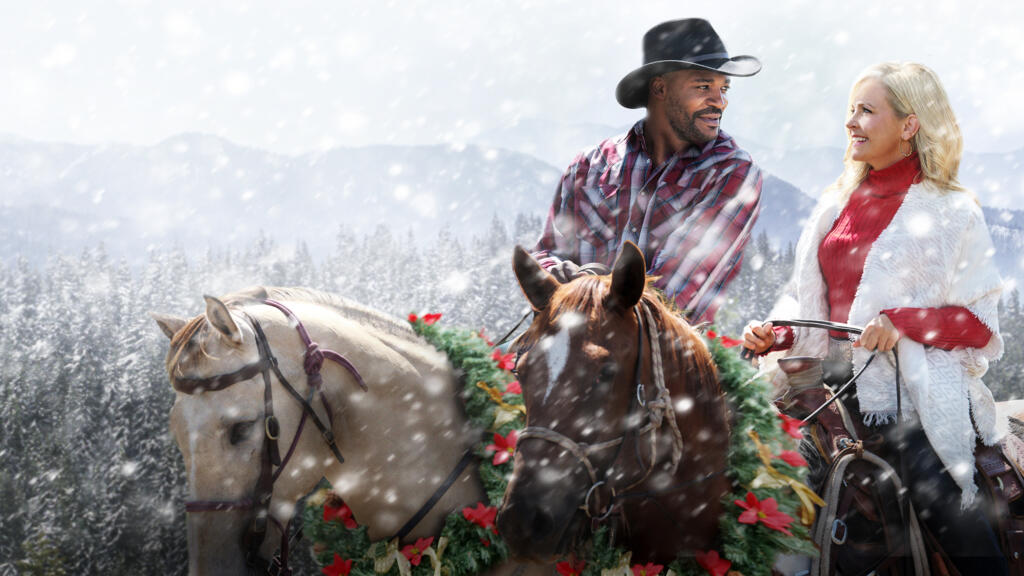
(467, 457)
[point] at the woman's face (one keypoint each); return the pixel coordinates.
(874, 129)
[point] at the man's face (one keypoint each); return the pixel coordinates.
(694, 103)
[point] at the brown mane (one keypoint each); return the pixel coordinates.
(587, 296)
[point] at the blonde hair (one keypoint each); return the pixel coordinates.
(913, 89)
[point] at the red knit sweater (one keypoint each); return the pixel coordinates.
(844, 249)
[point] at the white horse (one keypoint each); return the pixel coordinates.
(401, 437)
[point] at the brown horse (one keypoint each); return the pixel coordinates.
(626, 423)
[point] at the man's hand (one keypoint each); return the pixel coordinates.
(565, 271)
(879, 334)
(758, 337)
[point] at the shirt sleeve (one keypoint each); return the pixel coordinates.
(705, 251)
(947, 328)
(783, 339)
(558, 240)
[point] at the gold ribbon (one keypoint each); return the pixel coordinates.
(497, 398)
(807, 496)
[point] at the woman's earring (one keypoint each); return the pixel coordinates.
(910, 148)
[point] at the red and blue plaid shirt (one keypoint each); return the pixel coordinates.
(691, 216)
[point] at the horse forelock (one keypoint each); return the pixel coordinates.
(687, 354)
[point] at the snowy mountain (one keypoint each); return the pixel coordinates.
(196, 191)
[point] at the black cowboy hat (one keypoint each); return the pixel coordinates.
(681, 45)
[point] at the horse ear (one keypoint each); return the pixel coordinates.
(170, 325)
(218, 316)
(536, 283)
(629, 276)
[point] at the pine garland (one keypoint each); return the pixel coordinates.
(466, 547)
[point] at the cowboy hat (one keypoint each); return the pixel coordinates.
(681, 45)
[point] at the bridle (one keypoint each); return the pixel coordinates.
(314, 358)
(659, 413)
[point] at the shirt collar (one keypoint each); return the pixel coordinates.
(723, 144)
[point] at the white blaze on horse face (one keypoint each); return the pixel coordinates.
(556, 349)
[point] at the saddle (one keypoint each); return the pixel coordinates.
(865, 525)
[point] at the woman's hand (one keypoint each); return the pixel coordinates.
(758, 337)
(879, 334)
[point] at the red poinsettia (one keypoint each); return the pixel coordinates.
(792, 458)
(504, 447)
(791, 426)
(764, 511)
(569, 568)
(428, 319)
(713, 563)
(725, 340)
(341, 513)
(513, 388)
(648, 569)
(338, 568)
(414, 552)
(482, 516)
(505, 361)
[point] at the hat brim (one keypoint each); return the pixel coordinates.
(632, 89)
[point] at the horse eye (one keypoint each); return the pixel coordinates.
(607, 373)
(240, 432)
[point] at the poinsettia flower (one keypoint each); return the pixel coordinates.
(568, 568)
(713, 563)
(513, 388)
(482, 516)
(792, 458)
(503, 446)
(429, 319)
(414, 552)
(413, 318)
(505, 361)
(725, 340)
(341, 513)
(792, 426)
(338, 568)
(764, 511)
(649, 569)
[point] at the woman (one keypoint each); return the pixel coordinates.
(899, 246)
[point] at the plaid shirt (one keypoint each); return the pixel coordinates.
(691, 216)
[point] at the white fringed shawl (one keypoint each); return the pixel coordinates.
(936, 252)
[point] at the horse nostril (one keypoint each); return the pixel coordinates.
(541, 524)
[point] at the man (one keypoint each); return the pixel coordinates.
(675, 184)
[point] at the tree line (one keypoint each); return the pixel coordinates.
(92, 482)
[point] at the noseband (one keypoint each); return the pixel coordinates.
(260, 500)
(659, 412)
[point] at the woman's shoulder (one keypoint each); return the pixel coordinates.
(956, 204)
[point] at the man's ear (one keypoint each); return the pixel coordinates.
(657, 87)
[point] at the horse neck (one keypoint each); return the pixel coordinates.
(402, 436)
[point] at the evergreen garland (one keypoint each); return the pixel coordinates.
(465, 548)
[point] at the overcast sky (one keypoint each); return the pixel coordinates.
(299, 76)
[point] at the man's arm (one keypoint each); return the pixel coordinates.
(558, 242)
(705, 251)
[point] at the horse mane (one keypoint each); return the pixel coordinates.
(686, 351)
(366, 316)
(347, 308)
